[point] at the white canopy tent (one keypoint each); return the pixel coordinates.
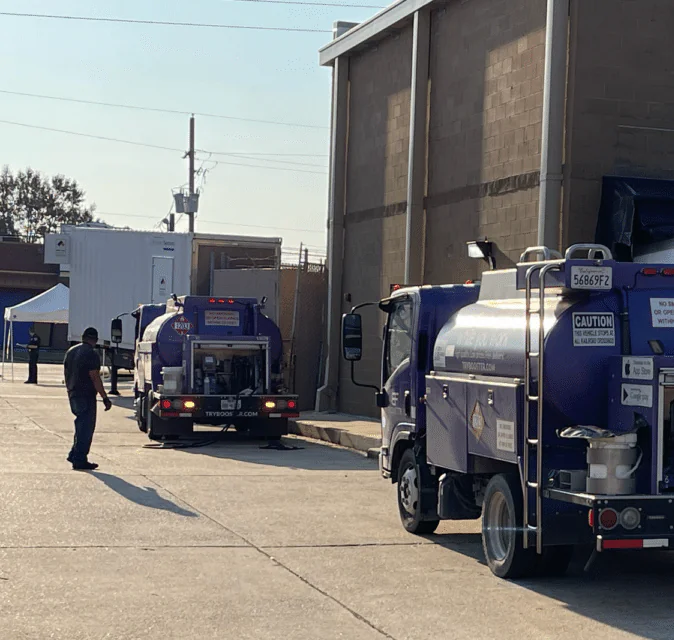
(50, 307)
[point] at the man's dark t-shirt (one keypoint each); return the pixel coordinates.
(34, 344)
(79, 361)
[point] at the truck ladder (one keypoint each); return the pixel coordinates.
(536, 442)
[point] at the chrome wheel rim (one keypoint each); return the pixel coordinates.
(408, 489)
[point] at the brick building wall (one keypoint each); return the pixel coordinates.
(377, 159)
(486, 76)
(620, 104)
(484, 131)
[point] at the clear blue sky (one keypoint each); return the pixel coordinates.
(252, 74)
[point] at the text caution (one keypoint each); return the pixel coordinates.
(593, 330)
(637, 395)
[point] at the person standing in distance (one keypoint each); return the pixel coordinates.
(83, 380)
(33, 347)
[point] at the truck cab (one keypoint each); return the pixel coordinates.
(414, 315)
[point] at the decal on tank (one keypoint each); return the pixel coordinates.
(637, 395)
(505, 436)
(182, 325)
(476, 424)
(638, 368)
(662, 312)
(593, 330)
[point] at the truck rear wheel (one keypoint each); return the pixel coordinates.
(416, 489)
(502, 541)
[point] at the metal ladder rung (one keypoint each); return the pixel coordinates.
(534, 444)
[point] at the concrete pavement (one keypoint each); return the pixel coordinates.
(234, 541)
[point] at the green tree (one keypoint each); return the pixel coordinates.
(32, 205)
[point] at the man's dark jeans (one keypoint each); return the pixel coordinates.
(32, 367)
(84, 410)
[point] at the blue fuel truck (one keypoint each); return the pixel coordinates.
(540, 399)
(209, 361)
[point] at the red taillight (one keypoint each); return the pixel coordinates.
(608, 518)
(231, 301)
(590, 518)
(668, 272)
(649, 271)
(166, 404)
(211, 300)
(292, 404)
(221, 301)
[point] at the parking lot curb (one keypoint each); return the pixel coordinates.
(366, 444)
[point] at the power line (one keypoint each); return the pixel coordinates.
(90, 135)
(161, 110)
(151, 146)
(259, 159)
(262, 166)
(165, 23)
(314, 4)
(232, 224)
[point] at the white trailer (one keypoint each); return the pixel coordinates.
(112, 271)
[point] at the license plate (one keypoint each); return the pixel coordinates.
(592, 278)
(230, 404)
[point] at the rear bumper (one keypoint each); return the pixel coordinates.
(225, 407)
(651, 523)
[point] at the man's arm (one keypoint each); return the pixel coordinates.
(95, 376)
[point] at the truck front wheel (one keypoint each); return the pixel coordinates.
(416, 493)
(502, 518)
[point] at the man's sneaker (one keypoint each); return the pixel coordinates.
(84, 466)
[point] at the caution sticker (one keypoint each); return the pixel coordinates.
(662, 313)
(505, 436)
(593, 330)
(637, 395)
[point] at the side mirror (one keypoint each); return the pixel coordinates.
(116, 331)
(352, 337)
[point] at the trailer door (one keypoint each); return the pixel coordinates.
(162, 279)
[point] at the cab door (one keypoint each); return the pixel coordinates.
(398, 381)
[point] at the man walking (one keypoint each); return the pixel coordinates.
(33, 347)
(83, 380)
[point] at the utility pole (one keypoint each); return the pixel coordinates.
(190, 154)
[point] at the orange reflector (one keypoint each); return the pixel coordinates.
(590, 518)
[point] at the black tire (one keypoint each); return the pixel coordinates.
(140, 415)
(502, 518)
(417, 495)
(555, 560)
